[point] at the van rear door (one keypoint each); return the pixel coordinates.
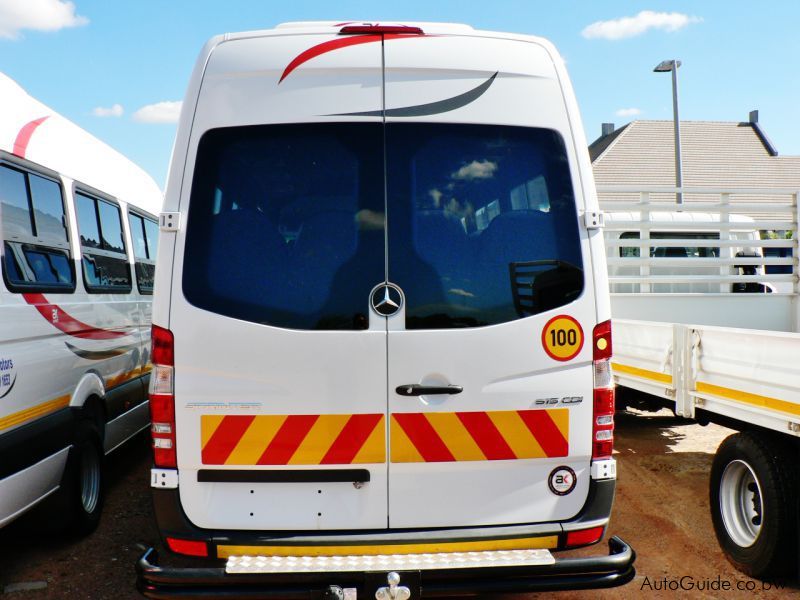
(490, 372)
(280, 378)
(454, 214)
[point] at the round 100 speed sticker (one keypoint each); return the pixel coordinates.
(562, 338)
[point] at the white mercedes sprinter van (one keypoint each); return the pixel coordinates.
(381, 328)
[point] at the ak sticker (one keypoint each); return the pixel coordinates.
(562, 338)
(562, 481)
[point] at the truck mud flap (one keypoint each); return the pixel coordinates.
(509, 573)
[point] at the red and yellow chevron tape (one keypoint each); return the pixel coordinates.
(471, 436)
(361, 439)
(293, 439)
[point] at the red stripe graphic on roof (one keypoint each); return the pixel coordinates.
(64, 322)
(324, 47)
(336, 44)
(24, 136)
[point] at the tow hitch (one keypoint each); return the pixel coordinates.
(395, 591)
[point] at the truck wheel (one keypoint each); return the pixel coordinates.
(81, 495)
(753, 504)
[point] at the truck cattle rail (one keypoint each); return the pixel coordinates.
(79, 244)
(706, 311)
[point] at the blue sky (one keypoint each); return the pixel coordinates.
(104, 64)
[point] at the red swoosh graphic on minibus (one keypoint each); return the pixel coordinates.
(342, 42)
(24, 136)
(64, 322)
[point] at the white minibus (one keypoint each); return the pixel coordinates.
(79, 240)
(381, 333)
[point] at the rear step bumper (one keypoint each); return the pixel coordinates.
(486, 577)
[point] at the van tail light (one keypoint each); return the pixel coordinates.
(374, 28)
(603, 417)
(188, 547)
(162, 399)
(584, 537)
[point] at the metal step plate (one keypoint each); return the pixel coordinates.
(388, 562)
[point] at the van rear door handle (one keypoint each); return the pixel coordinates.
(414, 389)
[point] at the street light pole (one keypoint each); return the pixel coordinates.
(663, 67)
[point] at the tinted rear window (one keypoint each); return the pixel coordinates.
(482, 223)
(287, 223)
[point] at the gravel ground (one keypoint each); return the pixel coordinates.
(661, 510)
(99, 566)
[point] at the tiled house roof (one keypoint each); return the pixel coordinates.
(714, 154)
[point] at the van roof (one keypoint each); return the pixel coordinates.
(328, 27)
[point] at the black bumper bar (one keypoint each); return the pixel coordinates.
(565, 574)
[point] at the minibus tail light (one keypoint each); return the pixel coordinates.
(603, 414)
(163, 349)
(602, 341)
(584, 537)
(162, 399)
(188, 547)
(376, 28)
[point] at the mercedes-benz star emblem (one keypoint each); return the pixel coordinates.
(386, 299)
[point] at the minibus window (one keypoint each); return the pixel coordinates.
(36, 252)
(483, 226)
(778, 253)
(48, 209)
(87, 221)
(16, 210)
(286, 224)
(104, 260)
(143, 252)
(657, 251)
(151, 234)
(111, 227)
(137, 236)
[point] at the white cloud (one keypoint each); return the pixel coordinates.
(483, 169)
(39, 15)
(112, 111)
(628, 112)
(626, 27)
(160, 112)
